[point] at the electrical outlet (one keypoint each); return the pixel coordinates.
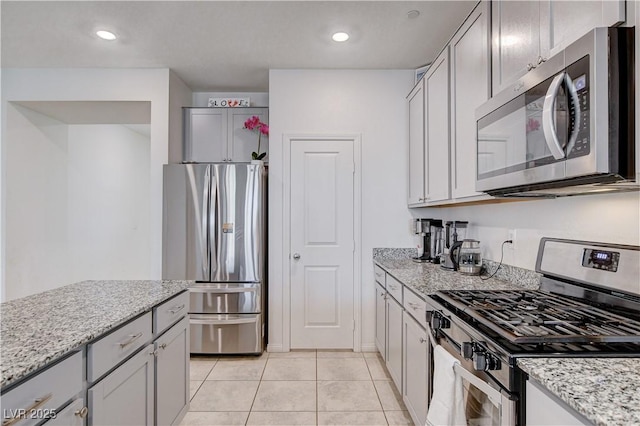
(511, 235)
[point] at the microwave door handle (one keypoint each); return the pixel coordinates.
(548, 118)
(577, 112)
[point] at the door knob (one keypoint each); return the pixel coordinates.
(296, 256)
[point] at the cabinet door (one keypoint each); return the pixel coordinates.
(394, 340)
(381, 296)
(205, 135)
(415, 374)
(72, 415)
(546, 409)
(243, 142)
(172, 373)
(125, 396)
(470, 53)
(567, 21)
(437, 129)
(416, 144)
(516, 40)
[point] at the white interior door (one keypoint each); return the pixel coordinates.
(322, 244)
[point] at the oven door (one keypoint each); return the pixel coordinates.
(484, 403)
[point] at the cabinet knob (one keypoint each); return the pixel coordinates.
(422, 340)
(82, 413)
(530, 66)
(541, 60)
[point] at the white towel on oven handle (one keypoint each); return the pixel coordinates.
(447, 405)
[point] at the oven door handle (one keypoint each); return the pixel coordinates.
(494, 395)
(548, 117)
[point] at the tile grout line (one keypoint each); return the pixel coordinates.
(257, 390)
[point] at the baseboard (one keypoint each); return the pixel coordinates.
(275, 348)
(369, 348)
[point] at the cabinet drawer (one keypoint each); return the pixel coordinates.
(39, 396)
(416, 307)
(169, 312)
(115, 347)
(394, 287)
(380, 274)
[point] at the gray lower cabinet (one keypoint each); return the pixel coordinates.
(41, 396)
(126, 395)
(415, 369)
(172, 373)
(381, 309)
(394, 340)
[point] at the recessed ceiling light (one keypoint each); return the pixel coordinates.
(106, 35)
(413, 14)
(340, 37)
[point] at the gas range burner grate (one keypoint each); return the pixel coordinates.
(541, 317)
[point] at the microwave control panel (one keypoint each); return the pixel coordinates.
(579, 73)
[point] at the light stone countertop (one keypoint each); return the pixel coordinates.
(604, 390)
(39, 329)
(427, 278)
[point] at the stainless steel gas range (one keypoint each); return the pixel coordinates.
(588, 305)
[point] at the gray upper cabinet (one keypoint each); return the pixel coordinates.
(517, 46)
(416, 144)
(470, 87)
(437, 129)
(526, 33)
(214, 135)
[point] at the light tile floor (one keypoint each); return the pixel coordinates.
(294, 388)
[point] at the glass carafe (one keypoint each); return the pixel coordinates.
(470, 257)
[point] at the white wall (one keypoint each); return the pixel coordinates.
(35, 194)
(108, 203)
(89, 84)
(333, 102)
(77, 203)
(613, 218)
(179, 96)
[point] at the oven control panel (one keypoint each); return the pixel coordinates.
(601, 259)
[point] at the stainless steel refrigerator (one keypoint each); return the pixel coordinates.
(214, 232)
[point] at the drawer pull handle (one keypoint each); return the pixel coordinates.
(414, 306)
(393, 287)
(176, 309)
(130, 340)
(21, 415)
(163, 346)
(82, 413)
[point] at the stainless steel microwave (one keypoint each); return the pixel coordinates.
(565, 128)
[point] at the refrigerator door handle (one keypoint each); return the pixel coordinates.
(224, 290)
(213, 224)
(206, 266)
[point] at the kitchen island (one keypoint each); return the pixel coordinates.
(67, 345)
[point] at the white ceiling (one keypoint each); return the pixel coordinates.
(227, 45)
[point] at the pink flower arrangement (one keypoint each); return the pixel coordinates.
(254, 124)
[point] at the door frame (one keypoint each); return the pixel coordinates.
(357, 232)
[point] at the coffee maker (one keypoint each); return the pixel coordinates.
(454, 231)
(431, 232)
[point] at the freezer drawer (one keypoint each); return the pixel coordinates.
(228, 298)
(226, 334)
